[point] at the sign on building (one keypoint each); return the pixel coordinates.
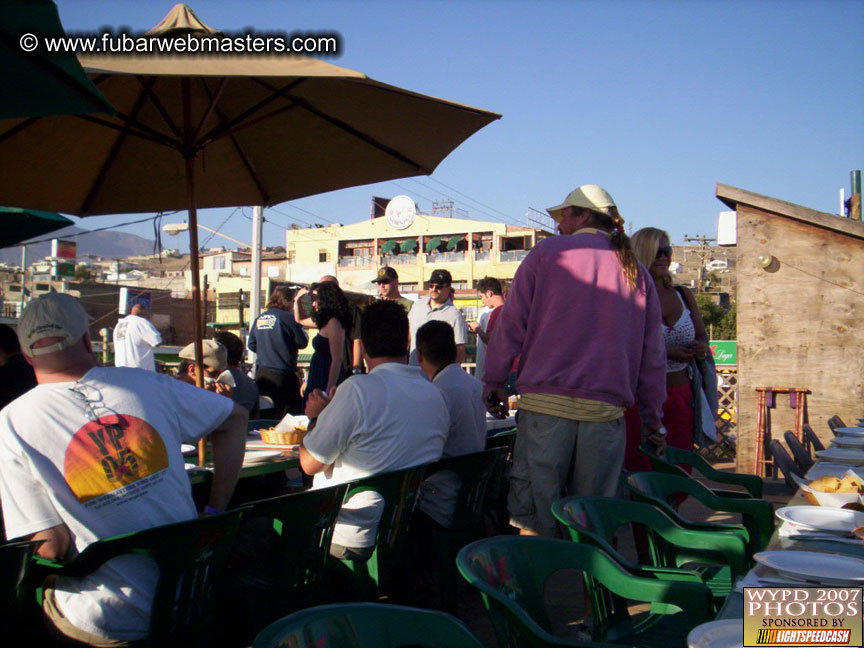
(63, 255)
(725, 352)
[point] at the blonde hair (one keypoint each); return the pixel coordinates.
(614, 222)
(645, 244)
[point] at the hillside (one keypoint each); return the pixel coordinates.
(109, 245)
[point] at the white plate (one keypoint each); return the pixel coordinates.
(849, 431)
(821, 568)
(726, 633)
(823, 518)
(254, 456)
(848, 456)
(843, 441)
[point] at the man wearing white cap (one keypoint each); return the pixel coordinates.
(134, 340)
(93, 452)
(595, 347)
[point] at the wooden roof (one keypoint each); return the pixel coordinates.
(733, 196)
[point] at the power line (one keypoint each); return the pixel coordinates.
(497, 211)
(101, 229)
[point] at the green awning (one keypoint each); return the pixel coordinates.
(38, 83)
(388, 246)
(22, 224)
(454, 241)
(408, 246)
(433, 243)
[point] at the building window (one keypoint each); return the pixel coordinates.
(218, 263)
(323, 256)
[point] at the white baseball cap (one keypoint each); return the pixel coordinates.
(48, 316)
(214, 354)
(593, 197)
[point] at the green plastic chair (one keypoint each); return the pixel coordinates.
(257, 424)
(720, 556)
(279, 563)
(367, 625)
(190, 556)
(474, 472)
(399, 489)
(497, 514)
(659, 489)
(512, 573)
(674, 457)
(14, 564)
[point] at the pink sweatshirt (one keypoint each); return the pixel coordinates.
(580, 329)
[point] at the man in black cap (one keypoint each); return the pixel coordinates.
(388, 287)
(438, 306)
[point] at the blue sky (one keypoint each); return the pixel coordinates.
(654, 100)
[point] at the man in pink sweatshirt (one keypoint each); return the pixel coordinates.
(584, 316)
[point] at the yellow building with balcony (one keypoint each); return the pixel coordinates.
(469, 249)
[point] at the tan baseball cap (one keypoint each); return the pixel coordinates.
(593, 197)
(53, 315)
(215, 356)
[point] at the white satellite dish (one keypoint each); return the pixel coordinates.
(400, 212)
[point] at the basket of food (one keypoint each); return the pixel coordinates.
(283, 437)
(833, 490)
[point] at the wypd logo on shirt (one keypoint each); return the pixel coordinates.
(112, 453)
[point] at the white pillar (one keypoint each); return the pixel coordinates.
(255, 297)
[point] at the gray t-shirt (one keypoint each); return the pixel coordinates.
(424, 311)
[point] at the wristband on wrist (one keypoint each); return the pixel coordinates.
(209, 510)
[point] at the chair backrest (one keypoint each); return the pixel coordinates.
(257, 424)
(512, 572)
(784, 462)
(678, 457)
(300, 526)
(835, 422)
(367, 625)
(799, 452)
(14, 562)
(659, 489)
(399, 489)
(474, 472)
(505, 439)
(814, 440)
(190, 556)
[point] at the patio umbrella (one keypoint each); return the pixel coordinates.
(39, 83)
(454, 241)
(22, 224)
(215, 131)
(388, 246)
(408, 246)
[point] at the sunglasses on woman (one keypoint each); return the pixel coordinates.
(664, 251)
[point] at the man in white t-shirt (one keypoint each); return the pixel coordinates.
(463, 395)
(134, 339)
(388, 419)
(94, 452)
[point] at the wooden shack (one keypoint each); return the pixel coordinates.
(800, 313)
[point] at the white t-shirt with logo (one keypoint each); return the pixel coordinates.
(102, 455)
(134, 339)
(388, 419)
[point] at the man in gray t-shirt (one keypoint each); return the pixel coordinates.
(437, 306)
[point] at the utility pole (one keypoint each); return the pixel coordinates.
(255, 296)
(704, 249)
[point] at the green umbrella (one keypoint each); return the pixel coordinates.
(388, 246)
(408, 246)
(453, 242)
(38, 84)
(22, 224)
(433, 243)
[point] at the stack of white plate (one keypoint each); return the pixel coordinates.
(847, 456)
(811, 567)
(726, 633)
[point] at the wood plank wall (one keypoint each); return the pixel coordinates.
(800, 323)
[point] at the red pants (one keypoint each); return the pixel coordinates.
(678, 417)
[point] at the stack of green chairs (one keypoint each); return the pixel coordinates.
(718, 557)
(660, 489)
(673, 458)
(367, 625)
(14, 564)
(512, 573)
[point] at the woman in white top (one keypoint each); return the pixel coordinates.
(685, 338)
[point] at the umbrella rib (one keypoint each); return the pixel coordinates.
(236, 121)
(230, 132)
(132, 128)
(148, 88)
(112, 155)
(214, 100)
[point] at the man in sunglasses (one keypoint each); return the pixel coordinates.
(438, 306)
(388, 288)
